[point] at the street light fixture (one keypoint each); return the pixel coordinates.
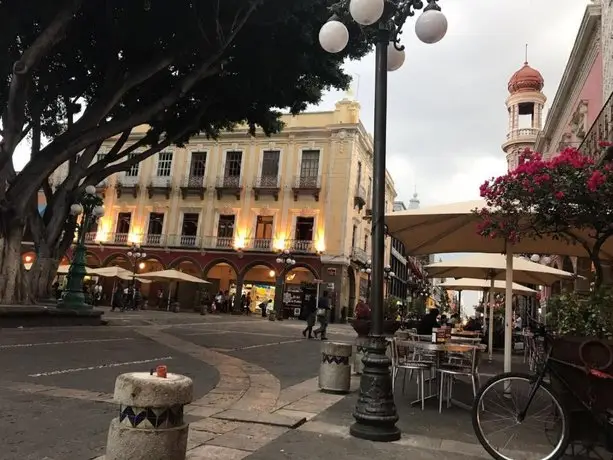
(367, 268)
(135, 256)
(90, 206)
(375, 412)
(286, 259)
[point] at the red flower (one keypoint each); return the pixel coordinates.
(559, 195)
(604, 144)
(595, 181)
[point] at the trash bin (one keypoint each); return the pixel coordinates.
(335, 367)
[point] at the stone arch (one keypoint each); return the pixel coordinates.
(309, 267)
(176, 262)
(257, 263)
(214, 262)
(95, 260)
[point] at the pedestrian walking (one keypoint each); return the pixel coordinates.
(323, 308)
(117, 301)
(311, 316)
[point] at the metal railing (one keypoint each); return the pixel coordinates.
(162, 182)
(522, 132)
(197, 242)
(193, 181)
(600, 131)
(90, 237)
(228, 182)
(128, 181)
(307, 182)
(266, 182)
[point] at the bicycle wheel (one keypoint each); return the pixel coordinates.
(542, 435)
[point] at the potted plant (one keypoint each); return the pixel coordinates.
(362, 322)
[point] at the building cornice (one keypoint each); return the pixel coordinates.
(590, 25)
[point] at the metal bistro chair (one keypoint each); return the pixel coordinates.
(403, 353)
(464, 361)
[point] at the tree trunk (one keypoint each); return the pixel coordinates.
(14, 286)
(43, 272)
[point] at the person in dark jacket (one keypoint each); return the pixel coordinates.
(322, 316)
(428, 322)
(311, 316)
(117, 301)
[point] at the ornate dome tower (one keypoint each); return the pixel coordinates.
(525, 106)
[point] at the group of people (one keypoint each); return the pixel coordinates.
(129, 298)
(433, 319)
(317, 310)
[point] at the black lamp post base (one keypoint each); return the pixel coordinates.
(375, 412)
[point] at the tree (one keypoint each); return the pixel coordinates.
(188, 66)
(443, 301)
(561, 197)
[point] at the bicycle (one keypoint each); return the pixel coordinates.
(504, 392)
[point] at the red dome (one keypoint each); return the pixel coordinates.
(526, 79)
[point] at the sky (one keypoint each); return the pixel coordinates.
(446, 113)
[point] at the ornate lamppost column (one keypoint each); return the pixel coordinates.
(375, 412)
(286, 260)
(90, 205)
(135, 255)
(388, 276)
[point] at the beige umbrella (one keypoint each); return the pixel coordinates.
(473, 284)
(173, 275)
(453, 228)
(113, 272)
(493, 267)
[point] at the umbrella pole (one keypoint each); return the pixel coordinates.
(490, 327)
(508, 313)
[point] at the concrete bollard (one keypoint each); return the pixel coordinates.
(335, 368)
(361, 343)
(150, 425)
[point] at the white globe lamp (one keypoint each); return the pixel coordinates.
(333, 36)
(431, 26)
(366, 12)
(76, 209)
(99, 211)
(90, 190)
(546, 260)
(535, 258)
(395, 58)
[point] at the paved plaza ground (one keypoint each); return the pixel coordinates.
(57, 383)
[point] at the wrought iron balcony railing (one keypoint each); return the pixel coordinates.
(600, 131)
(266, 182)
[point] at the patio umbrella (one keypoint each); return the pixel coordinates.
(497, 266)
(473, 284)
(173, 275)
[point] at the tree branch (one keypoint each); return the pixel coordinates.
(14, 113)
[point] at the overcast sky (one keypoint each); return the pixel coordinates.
(446, 114)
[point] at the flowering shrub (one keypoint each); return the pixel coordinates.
(558, 196)
(571, 314)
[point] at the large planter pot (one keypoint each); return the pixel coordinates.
(362, 326)
(582, 352)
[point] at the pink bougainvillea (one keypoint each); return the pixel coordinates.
(554, 196)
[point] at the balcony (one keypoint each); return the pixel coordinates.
(154, 240)
(359, 198)
(193, 185)
(229, 184)
(159, 186)
(90, 237)
(601, 131)
(101, 187)
(258, 244)
(184, 241)
(359, 255)
(306, 185)
(522, 133)
(302, 246)
(266, 185)
(119, 238)
(127, 184)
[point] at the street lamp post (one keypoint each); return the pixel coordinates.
(367, 268)
(135, 255)
(375, 412)
(90, 206)
(287, 260)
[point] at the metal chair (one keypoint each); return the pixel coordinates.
(464, 362)
(403, 353)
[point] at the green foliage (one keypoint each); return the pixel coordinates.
(417, 307)
(575, 315)
(391, 309)
(443, 301)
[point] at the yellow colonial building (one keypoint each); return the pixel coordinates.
(223, 209)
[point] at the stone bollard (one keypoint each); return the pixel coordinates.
(360, 346)
(335, 369)
(150, 425)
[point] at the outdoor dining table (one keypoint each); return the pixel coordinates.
(439, 349)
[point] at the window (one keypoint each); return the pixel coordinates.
(123, 222)
(354, 235)
(100, 157)
(359, 173)
(369, 194)
(155, 228)
(366, 242)
(189, 229)
(263, 228)
(233, 164)
(304, 228)
(309, 166)
(270, 164)
(225, 227)
(164, 164)
(133, 171)
(197, 167)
